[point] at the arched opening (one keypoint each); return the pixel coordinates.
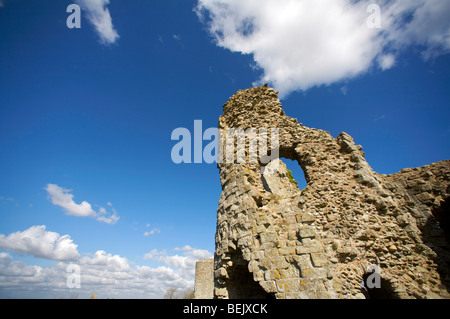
(241, 284)
(280, 180)
(442, 215)
(440, 244)
(297, 175)
(379, 288)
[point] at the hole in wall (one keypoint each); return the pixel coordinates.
(383, 291)
(297, 172)
(442, 215)
(241, 284)
(440, 244)
(270, 176)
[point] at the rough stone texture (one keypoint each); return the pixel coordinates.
(204, 279)
(274, 240)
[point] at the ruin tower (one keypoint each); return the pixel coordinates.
(274, 240)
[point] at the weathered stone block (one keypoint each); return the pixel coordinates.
(318, 259)
(220, 292)
(280, 263)
(287, 250)
(269, 286)
(272, 275)
(288, 285)
(307, 218)
(290, 272)
(258, 275)
(307, 232)
(307, 249)
(221, 272)
(268, 237)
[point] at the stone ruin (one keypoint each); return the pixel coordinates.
(274, 240)
(204, 284)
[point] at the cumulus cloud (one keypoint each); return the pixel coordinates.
(39, 242)
(8, 267)
(102, 216)
(107, 275)
(61, 197)
(299, 44)
(106, 261)
(99, 16)
(186, 262)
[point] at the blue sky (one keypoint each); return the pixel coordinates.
(91, 112)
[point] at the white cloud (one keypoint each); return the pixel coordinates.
(112, 219)
(106, 261)
(184, 248)
(98, 14)
(10, 268)
(61, 197)
(386, 61)
(109, 220)
(152, 232)
(40, 243)
(107, 275)
(185, 263)
(300, 44)
(154, 254)
(429, 25)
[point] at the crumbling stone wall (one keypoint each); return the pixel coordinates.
(274, 240)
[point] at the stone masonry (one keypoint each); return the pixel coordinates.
(204, 279)
(274, 240)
